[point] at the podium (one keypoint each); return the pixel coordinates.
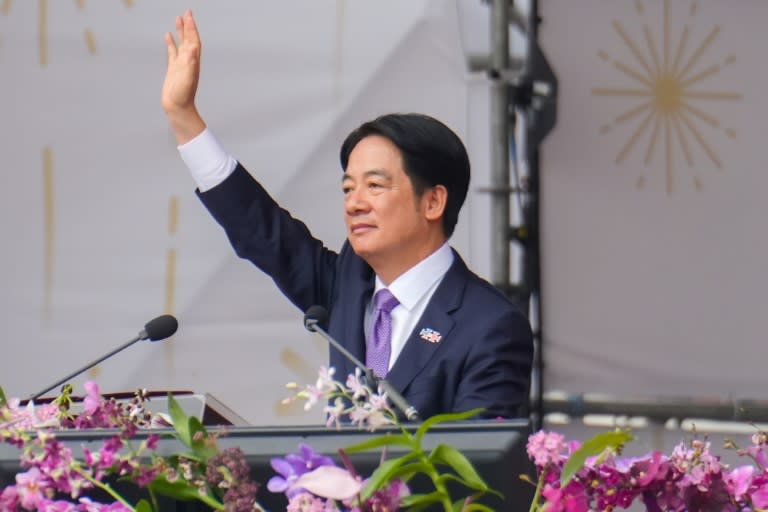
(203, 406)
(496, 448)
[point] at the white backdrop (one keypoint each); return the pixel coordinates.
(652, 271)
(100, 225)
(654, 257)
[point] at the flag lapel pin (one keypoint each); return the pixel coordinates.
(430, 335)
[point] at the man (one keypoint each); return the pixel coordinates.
(398, 296)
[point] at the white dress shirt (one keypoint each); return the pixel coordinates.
(207, 160)
(413, 289)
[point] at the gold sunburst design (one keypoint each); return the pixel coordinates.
(666, 106)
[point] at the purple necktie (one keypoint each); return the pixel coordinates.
(379, 344)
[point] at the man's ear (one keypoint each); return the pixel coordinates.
(434, 200)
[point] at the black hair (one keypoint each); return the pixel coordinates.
(432, 155)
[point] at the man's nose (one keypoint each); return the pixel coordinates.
(355, 202)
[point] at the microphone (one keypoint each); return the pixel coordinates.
(316, 316)
(155, 330)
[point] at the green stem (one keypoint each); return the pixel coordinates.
(537, 494)
(153, 498)
(434, 475)
(101, 485)
(215, 505)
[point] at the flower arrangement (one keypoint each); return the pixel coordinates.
(313, 482)
(571, 476)
(575, 477)
(57, 480)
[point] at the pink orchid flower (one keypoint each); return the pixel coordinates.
(330, 482)
(92, 400)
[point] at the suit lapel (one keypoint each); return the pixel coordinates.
(357, 331)
(353, 326)
(436, 322)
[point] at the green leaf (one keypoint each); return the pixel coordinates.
(184, 491)
(202, 446)
(593, 446)
(174, 459)
(380, 476)
(143, 506)
(407, 471)
(459, 506)
(3, 398)
(180, 421)
(419, 501)
(450, 456)
(187, 429)
(443, 418)
(388, 470)
(446, 477)
(179, 490)
(380, 441)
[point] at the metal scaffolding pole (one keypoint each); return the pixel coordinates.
(528, 93)
(500, 252)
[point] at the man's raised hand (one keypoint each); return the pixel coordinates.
(181, 79)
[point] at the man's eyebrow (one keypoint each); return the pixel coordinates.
(373, 172)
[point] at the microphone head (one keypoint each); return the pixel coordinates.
(315, 315)
(160, 328)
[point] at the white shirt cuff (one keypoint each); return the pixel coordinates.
(207, 160)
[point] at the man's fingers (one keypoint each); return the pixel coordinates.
(180, 29)
(190, 28)
(171, 45)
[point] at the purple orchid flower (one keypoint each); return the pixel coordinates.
(292, 466)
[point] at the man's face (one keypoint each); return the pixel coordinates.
(385, 221)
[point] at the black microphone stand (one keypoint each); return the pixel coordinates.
(156, 329)
(410, 412)
(84, 368)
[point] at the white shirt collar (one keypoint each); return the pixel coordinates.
(411, 286)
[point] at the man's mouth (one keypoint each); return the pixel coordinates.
(360, 228)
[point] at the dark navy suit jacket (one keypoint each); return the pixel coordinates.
(483, 357)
